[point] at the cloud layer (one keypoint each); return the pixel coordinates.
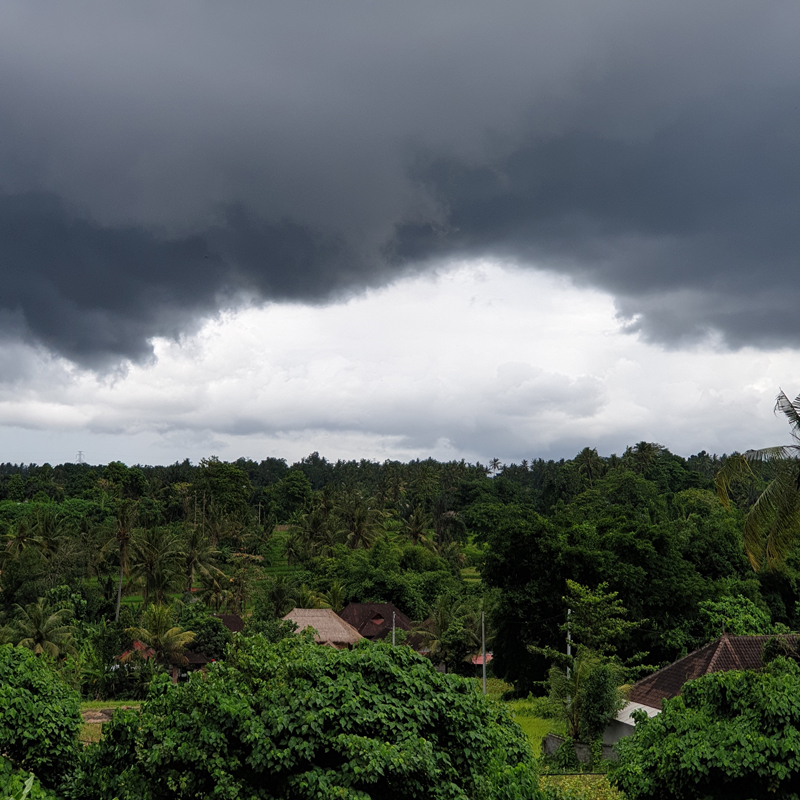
(160, 165)
(476, 362)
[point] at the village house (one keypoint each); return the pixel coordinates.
(729, 652)
(330, 629)
(375, 620)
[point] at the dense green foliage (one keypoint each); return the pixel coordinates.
(17, 784)
(39, 716)
(294, 720)
(101, 561)
(732, 735)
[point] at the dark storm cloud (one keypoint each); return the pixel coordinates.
(160, 163)
(95, 293)
(696, 228)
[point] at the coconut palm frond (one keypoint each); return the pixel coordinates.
(772, 524)
(791, 410)
(782, 533)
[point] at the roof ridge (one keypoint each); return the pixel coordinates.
(723, 643)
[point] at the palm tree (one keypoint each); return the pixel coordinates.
(19, 538)
(282, 593)
(360, 520)
(308, 598)
(772, 524)
(200, 556)
(590, 464)
(451, 631)
(334, 598)
(43, 629)
(215, 590)
(156, 556)
(159, 632)
(417, 524)
(48, 527)
(124, 522)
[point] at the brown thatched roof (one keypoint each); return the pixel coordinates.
(330, 628)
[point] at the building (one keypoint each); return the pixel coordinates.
(374, 620)
(329, 628)
(729, 652)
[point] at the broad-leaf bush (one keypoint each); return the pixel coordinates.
(39, 716)
(16, 784)
(733, 735)
(295, 720)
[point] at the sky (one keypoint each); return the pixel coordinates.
(461, 230)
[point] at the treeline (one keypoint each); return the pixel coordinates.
(258, 538)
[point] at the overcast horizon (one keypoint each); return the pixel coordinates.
(460, 230)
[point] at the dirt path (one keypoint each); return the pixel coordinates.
(101, 715)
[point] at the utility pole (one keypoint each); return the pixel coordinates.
(569, 649)
(393, 616)
(79, 457)
(483, 652)
(569, 637)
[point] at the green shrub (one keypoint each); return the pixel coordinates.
(39, 716)
(16, 784)
(730, 735)
(295, 720)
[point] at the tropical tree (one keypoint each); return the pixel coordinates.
(44, 630)
(159, 632)
(308, 598)
(451, 632)
(417, 524)
(124, 522)
(19, 538)
(281, 591)
(360, 520)
(214, 590)
(199, 554)
(729, 735)
(772, 523)
(294, 720)
(590, 464)
(334, 598)
(586, 696)
(156, 556)
(39, 719)
(596, 618)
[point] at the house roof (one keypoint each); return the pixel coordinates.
(138, 647)
(330, 628)
(723, 654)
(233, 622)
(374, 620)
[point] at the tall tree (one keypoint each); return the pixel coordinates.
(772, 523)
(159, 631)
(44, 629)
(124, 522)
(156, 556)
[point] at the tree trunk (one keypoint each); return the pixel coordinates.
(119, 583)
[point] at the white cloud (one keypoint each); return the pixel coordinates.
(479, 361)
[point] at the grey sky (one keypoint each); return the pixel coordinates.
(161, 162)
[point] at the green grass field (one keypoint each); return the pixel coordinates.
(583, 787)
(275, 561)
